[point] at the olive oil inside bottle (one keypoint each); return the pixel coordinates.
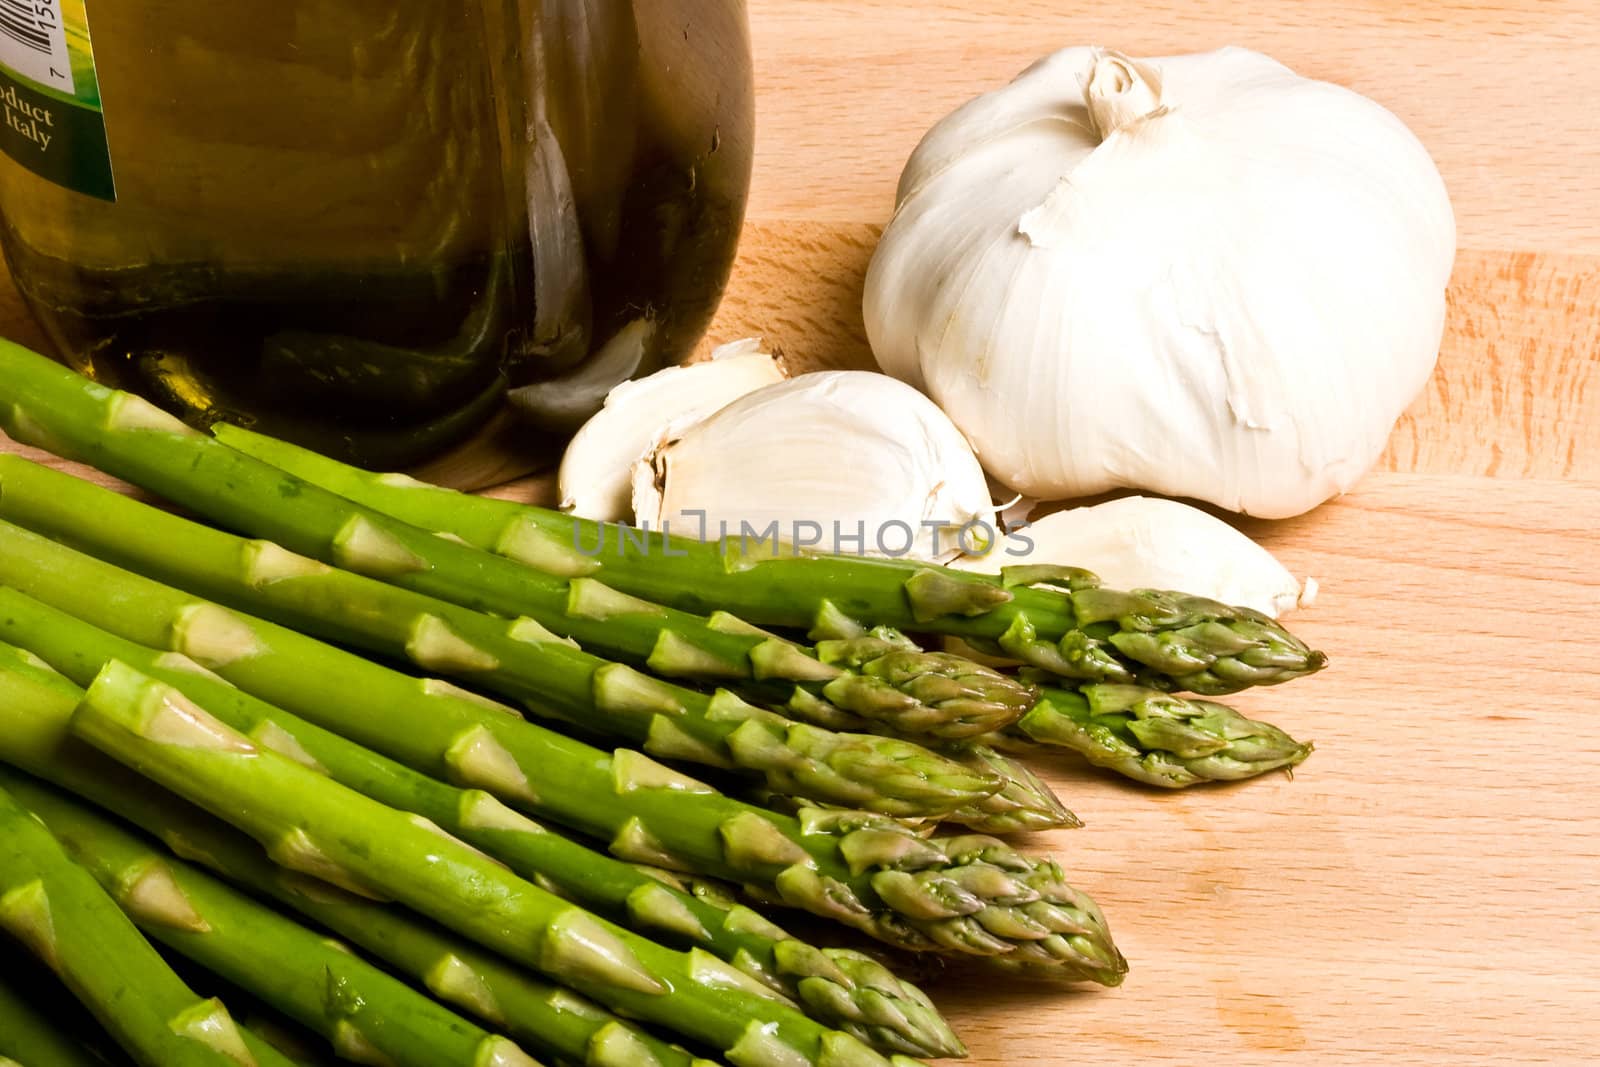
(359, 224)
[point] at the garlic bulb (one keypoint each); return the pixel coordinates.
(596, 476)
(839, 461)
(1200, 275)
(1148, 543)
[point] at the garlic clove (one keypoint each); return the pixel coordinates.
(1142, 542)
(596, 471)
(845, 461)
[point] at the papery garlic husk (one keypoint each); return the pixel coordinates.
(1231, 295)
(839, 461)
(596, 476)
(1141, 542)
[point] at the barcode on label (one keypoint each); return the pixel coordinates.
(33, 42)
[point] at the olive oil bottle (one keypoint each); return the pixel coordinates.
(364, 225)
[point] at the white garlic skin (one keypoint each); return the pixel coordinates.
(596, 476)
(1233, 300)
(1142, 542)
(852, 448)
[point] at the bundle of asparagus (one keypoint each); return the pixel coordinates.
(57, 910)
(347, 795)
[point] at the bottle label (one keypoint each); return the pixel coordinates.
(50, 116)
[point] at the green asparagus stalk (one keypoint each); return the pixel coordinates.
(1146, 734)
(1218, 745)
(302, 1047)
(510, 999)
(885, 1013)
(38, 709)
(57, 910)
(1158, 738)
(213, 561)
(963, 895)
(364, 1013)
(299, 1045)
(28, 1037)
(34, 720)
(1079, 631)
(921, 696)
(327, 831)
(518, 658)
(126, 436)
(888, 992)
(1024, 803)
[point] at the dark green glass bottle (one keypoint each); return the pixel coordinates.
(365, 225)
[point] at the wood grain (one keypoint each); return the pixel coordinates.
(1422, 891)
(1501, 93)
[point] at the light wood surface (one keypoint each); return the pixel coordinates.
(1423, 890)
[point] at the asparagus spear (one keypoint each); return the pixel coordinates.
(1025, 802)
(301, 1046)
(34, 719)
(889, 993)
(28, 1037)
(944, 685)
(126, 436)
(1081, 631)
(1158, 738)
(885, 1013)
(964, 895)
(213, 561)
(367, 1015)
(519, 659)
(58, 911)
(1146, 734)
(304, 1047)
(333, 833)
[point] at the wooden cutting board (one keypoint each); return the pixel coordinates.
(1423, 890)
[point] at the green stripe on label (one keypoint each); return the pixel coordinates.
(50, 114)
(64, 143)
